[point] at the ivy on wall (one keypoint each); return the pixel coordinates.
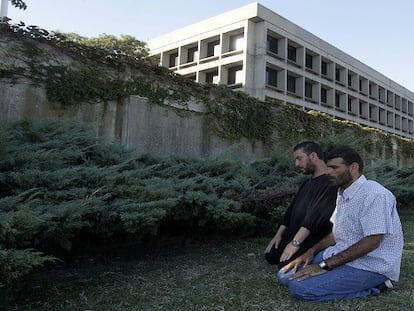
(293, 124)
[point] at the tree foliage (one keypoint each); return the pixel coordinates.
(19, 4)
(125, 44)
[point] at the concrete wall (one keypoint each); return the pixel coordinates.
(139, 125)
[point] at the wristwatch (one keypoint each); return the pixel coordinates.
(295, 243)
(324, 265)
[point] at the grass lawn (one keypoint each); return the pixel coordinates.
(218, 275)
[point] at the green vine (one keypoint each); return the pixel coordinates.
(293, 124)
(236, 115)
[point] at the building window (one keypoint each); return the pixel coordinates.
(271, 77)
(337, 74)
(292, 53)
(349, 79)
(173, 60)
(372, 113)
(309, 61)
(337, 100)
(235, 75)
(291, 84)
(324, 68)
(236, 42)
(308, 90)
(271, 44)
(324, 95)
(212, 77)
(212, 48)
(191, 54)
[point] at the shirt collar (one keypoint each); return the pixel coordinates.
(349, 192)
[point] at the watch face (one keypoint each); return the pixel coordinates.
(295, 243)
(324, 265)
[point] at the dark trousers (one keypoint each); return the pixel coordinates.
(273, 257)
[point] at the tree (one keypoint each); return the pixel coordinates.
(19, 4)
(126, 44)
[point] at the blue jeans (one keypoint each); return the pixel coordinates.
(341, 283)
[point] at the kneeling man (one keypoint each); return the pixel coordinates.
(362, 254)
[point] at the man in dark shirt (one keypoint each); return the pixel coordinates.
(306, 220)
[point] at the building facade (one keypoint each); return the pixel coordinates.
(257, 51)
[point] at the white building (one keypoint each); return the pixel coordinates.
(257, 51)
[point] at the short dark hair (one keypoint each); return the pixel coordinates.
(309, 147)
(348, 154)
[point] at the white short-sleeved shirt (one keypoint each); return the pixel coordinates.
(367, 208)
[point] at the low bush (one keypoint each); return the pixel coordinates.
(60, 186)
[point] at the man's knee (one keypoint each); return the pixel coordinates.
(283, 277)
(300, 290)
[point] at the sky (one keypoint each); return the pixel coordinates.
(379, 33)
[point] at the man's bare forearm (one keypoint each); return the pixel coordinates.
(327, 241)
(359, 249)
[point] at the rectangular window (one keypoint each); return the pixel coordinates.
(271, 77)
(235, 75)
(173, 60)
(349, 79)
(271, 44)
(292, 53)
(236, 42)
(211, 77)
(372, 113)
(337, 74)
(324, 68)
(191, 54)
(291, 84)
(323, 95)
(212, 48)
(308, 90)
(309, 61)
(337, 100)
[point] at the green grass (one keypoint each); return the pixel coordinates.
(219, 275)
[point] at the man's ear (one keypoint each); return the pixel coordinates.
(355, 167)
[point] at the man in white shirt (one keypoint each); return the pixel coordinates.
(362, 254)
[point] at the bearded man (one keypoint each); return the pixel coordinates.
(306, 220)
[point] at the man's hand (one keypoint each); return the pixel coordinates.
(288, 252)
(307, 272)
(304, 260)
(275, 241)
